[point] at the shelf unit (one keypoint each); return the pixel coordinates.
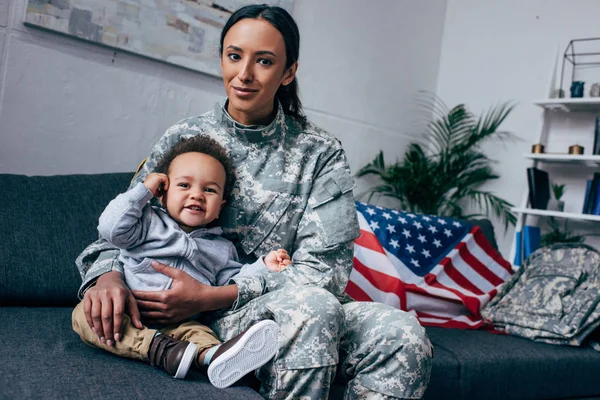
(590, 160)
(585, 104)
(557, 214)
(552, 161)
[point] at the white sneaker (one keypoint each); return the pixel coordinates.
(244, 353)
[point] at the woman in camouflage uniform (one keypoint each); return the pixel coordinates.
(293, 190)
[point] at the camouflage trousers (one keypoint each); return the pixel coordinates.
(379, 351)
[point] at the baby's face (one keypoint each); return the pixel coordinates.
(195, 194)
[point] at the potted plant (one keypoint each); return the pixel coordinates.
(444, 172)
(556, 235)
(556, 204)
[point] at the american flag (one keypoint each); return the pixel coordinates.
(442, 269)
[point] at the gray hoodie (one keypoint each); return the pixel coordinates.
(144, 233)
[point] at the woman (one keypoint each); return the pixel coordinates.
(293, 190)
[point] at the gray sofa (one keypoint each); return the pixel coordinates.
(46, 221)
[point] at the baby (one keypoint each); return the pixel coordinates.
(192, 181)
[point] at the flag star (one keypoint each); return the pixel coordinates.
(411, 215)
(402, 219)
(386, 215)
(422, 238)
(426, 253)
(437, 243)
(370, 211)
(396, 212)
(391, 229)
(379, 207)
(414, 262)
(441, 221)
(410, 248)
(447, 232)
(406, 233)
(426, 218)
(394, 244)
(456, 224)
(374, 225)
(417, 224)
(432, 229)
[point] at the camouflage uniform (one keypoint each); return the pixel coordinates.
(293, 189)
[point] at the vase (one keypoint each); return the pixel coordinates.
(555, 205)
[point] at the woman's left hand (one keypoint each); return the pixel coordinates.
(186, 298)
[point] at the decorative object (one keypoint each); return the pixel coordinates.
(556, 204)
(184, 33)
(442, 174)
(580, 60)
(576, 149)
(595, 90)
(537, 149)
(577, 89)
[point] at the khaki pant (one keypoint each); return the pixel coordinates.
(135, 342)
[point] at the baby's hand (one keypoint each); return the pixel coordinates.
(157, 183)
(277, 260)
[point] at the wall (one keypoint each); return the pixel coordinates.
(505, 50)
(68, 106)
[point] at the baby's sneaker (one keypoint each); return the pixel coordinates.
(172, 355)
(244, 353)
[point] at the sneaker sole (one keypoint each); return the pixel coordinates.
(186, 361)
(252, 351)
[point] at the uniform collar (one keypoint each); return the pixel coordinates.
(253, 133)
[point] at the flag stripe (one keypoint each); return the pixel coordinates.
(371, 291)
(356, 292)
(486, 279)
(382, 282)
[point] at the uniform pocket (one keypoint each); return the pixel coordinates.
(334, 203)
(265, 221)
(547, 289)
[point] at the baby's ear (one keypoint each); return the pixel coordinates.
(222, 205)
(162, 199)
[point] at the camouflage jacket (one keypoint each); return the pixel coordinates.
(293, 190)
(554, 298)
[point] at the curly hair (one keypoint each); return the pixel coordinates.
(200, 144)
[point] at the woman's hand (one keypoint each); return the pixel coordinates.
(104, 305)
(186, 298)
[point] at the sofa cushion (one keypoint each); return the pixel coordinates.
(43, 358)
(501, 367)
(45, 222)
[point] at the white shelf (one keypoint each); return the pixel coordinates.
(557, 214)
(591, 160)
(589, 104)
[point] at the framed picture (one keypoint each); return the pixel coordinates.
(181, 32)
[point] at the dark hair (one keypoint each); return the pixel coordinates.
(285, 24)
(199, 144)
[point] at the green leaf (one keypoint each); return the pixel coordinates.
(441, 174)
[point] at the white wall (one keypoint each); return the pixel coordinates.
(68, 107)
(499, 50)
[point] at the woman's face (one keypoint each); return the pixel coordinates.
(253, 63)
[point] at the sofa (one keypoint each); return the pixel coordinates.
(45, 222)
